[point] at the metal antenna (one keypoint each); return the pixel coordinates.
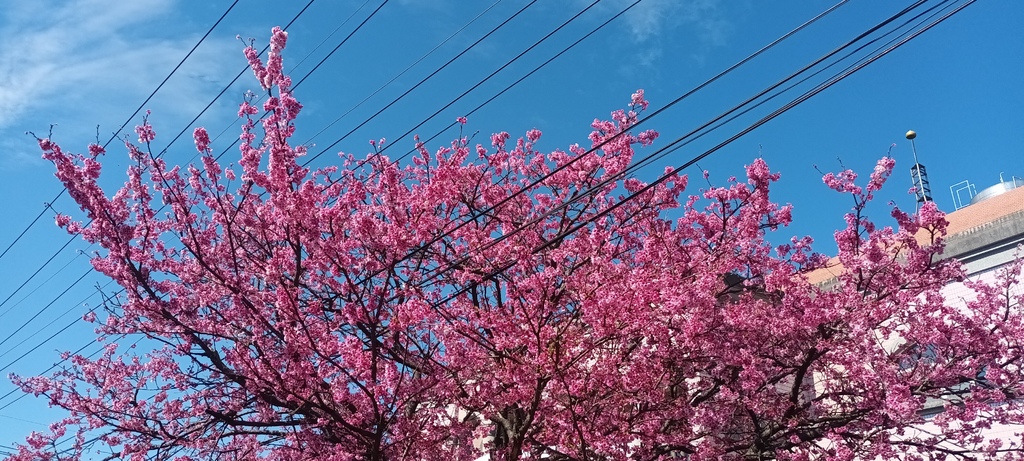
(919, 175)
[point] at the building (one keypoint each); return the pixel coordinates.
(984, 236)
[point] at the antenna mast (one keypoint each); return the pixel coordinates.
(922, 189)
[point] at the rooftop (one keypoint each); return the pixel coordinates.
(969, 228)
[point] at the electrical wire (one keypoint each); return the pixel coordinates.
(807, 95)
(37, 271)
(931, 12)
(403, 72)
(593, 31)
(41, 284)
(46, 307)
(448, 232)
(672, 173)
(417, 85)
(328, 37)
(67, 312)
(657, 154)
(148, 98)
(43, 342)
(325, 58)
(235, 143)
(172, 141)
(763, 49)
(228, 86)
(55, 365)
(73, 237)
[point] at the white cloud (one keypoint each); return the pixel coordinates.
(79, 63)
(649, 19)
(659, 29)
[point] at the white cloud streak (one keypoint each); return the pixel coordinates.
(83, 62)
(651, 18)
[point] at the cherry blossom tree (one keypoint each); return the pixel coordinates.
(499, 301)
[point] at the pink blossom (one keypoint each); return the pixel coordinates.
(647, 137)
(637, 99)
(95, 150)
(498, 139)
(512, 305)
(145, 131)
(202, 140)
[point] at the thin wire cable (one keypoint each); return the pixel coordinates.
(168, 77)
(328, 37)
(663, 109)
(179, 134)
(55, 365)
(43, 342)
(235, 143)
(931, 12)
(128, 120)
(437, 271)
(44, 282)
(15, 418)
(47, 306)
(760, 51)
(403, 72)
(34, 274)
(228, 86)
(670, 174)
(453, 101)
(52, 321)
(417, 85)
(72, 239)
(325, 58)
(771, 116)
(513, 84)
(172, 141)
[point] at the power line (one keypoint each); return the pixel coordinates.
(34, 274)
(153, 93)
(931, 12)
(168, 77)
(325, 58)
(440, 270)
(821, 87)
(74, 236)
(670, 174)
(55, 365)
(52, 321)
(705, 83)
(513, 84)
(43, 342)
(70, 240)
(172, 141)
(400, 74)
(295, 85)
(336, 29)
(492, 74)
(228, 86)
(410, 90)
(44, 282)
(47, 306)
(233, 144)
(657, 154)
(672, 103)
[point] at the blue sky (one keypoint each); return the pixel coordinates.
(83, 63)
